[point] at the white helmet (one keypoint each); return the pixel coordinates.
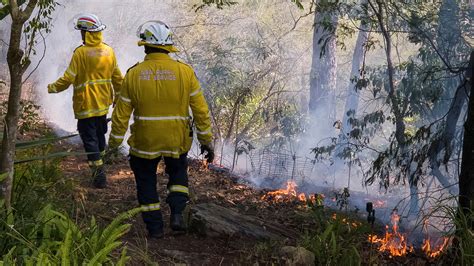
(155, 32)
(88, 22)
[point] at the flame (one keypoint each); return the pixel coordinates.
(290, 194)
(438, 250)
(346, 221)
(302, 197)
(282, 195)
(393, 241)
(379, 203)
(205, 164)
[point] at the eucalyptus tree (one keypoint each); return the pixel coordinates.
(28, 22)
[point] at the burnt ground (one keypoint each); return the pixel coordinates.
(206, 185)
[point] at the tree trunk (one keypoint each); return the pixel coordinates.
(17, 66)
(448, 41)
(352, 100)
(446, 140)
(323, 67)
(466, 178)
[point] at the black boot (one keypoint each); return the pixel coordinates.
(177, 222)
(99, 177)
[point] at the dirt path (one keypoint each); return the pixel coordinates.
(205, 186)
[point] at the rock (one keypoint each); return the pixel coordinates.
(213, 220)
(297, 256)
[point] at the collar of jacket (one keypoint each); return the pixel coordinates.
(93, 38)
(157, 56)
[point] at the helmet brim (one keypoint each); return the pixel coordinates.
(101, 28)
(169, 48)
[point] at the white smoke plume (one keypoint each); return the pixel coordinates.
(122, 19)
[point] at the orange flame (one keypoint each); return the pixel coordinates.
(347, 221)
(379, 203)
(393, 241)
(288, 194)
(438, 250)
(205, 164)
(427, 247)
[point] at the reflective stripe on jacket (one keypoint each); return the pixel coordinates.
(95, 75)
(160, 92)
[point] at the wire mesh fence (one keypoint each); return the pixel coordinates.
(266, 163)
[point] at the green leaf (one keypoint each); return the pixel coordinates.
(123, 258)
(3, 176)
(298, 4)
(65, 249)
(101, 256)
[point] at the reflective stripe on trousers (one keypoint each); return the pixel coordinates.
(96, 163)
(151, 207)
(178, 188)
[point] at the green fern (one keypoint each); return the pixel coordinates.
(101, 256)
(66, 248)
(60, 241)
(123, 257)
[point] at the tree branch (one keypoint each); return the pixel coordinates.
(25, 14)
(14, 11)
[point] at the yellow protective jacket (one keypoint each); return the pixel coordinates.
(93, 71)
(160, 93)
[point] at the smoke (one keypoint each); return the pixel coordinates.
(122, 19)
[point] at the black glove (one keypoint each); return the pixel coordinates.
(210, 152)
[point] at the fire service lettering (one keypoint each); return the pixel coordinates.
(157, 75)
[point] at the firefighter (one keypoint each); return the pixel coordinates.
(96, 77)
(160, 92)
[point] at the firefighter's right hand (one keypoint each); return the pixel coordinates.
(209, 152)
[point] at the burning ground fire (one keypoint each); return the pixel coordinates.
(395, 243)
(290, 194)
(440, 245)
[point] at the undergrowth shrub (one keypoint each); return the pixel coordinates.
(463, 235)
(55, 239)
(338, 240)
(38, 231)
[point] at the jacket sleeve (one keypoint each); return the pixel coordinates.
(69, 76)
(200, 111)
(121, 116)
(117, 80)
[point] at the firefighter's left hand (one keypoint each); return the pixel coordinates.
(210, 152)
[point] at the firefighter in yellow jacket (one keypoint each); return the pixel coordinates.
(96, 77)
(160, 92)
